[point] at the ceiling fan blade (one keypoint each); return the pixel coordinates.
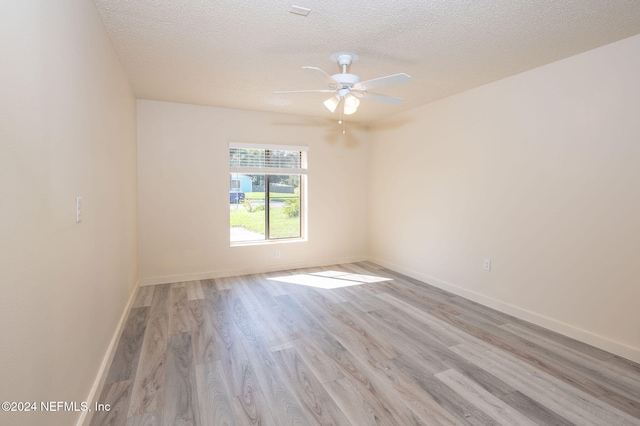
(286, 92)
(391, 100)
(383, 81)
(326, 77)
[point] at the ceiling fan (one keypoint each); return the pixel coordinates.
(347, 88)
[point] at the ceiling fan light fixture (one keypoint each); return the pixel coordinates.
(351, 104)
(332, 103)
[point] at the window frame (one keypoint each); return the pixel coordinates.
(268, 171)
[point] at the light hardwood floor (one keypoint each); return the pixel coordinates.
(375, 348)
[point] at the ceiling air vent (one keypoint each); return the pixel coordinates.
(299, 10)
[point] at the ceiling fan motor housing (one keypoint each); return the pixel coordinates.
(346, 79)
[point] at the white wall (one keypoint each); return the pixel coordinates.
(67, 128)
(183, 191)
(540, 173)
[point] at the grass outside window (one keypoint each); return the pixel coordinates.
(282, 226)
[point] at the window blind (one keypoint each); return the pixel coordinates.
(267, 159)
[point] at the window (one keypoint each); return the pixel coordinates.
(266, 192)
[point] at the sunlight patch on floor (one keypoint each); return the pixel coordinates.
(329, 279)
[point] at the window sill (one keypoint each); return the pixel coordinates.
(267, 242)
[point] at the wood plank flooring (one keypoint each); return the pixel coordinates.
(353, 344)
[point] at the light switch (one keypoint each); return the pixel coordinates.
(78, 209)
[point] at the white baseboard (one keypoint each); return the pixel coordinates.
(568, 330)
(277, 266)
(85, 416)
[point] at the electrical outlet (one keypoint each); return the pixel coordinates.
(487, 264)
(277, 254)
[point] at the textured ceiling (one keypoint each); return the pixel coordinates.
(234, 54)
